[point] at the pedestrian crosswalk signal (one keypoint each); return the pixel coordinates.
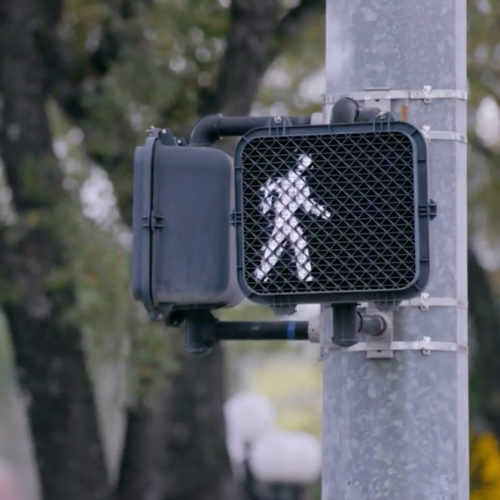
(333, 213)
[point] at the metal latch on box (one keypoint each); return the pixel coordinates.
(152, 222)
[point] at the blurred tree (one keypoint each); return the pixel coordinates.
(484, 207)
(48, 349)
(484, 185)
(114, 67)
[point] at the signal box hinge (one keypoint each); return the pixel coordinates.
(236, 218)
(429, 210)
(152, 222)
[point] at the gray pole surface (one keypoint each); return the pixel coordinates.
(397, 429)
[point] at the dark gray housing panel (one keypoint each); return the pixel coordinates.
(141, 210)
(183, 242)
(191, 251)
(138, 245)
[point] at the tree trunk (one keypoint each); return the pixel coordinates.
(143, 465)
(49, 358)
(197, 460)
(62, 414)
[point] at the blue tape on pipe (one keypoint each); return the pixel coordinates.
(290, 330)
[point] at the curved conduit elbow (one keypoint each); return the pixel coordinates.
(212, 127)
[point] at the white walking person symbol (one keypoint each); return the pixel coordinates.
(285, 195)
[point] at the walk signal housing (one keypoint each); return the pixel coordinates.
(336, 213)
(183, 243)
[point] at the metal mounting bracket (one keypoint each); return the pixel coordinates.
(384, 346)
(380, 347)
(442, 135)
(375, 347)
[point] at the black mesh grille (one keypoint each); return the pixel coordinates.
(328, 213)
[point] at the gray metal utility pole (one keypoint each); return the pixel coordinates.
(397, 428)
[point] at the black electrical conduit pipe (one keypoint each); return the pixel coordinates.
(203, 330)
(212, 127)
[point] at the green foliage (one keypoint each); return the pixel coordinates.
(115, 326)
(484, 157)
(160, 57)
(484, 81)
(291, 84)
(483, 52)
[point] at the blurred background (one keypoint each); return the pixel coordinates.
(96, 402)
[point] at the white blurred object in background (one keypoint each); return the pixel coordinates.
(286, 457)
(248, 416)
(271, 464)
(488, 121)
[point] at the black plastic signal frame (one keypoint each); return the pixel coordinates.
(424, 209)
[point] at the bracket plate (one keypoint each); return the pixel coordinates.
(442, 135)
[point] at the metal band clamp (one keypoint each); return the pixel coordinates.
(424, 302)
(426, 346)
(384, 349)
(427, 94)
